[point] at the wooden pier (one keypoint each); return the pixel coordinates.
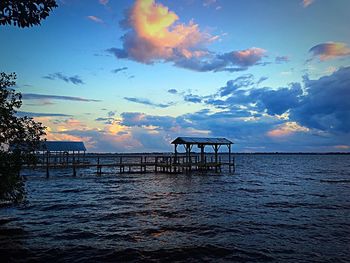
(120, 164)
(64, 154)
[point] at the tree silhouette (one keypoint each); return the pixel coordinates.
(22, 132)
(25, 13)
(19, 137)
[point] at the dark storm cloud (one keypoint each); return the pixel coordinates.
(322, 104)
(243, 91)
(326, 106)
(277, 102)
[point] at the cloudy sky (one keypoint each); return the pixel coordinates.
(126, 75)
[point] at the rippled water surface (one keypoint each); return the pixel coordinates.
(276, 208)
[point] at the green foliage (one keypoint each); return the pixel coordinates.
(19, 138)
(25, 13)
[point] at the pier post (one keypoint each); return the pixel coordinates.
(216, 157)
(120, 164)
(229, 158)
(171, 166)
(205, 163)
(141, 165)
(202, 153)
(74, 168)
(234, 164)
(99, 170)
(156, 165)
(175, 157)
(167, 164)
(47, 165)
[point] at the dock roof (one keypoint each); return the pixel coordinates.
(201, 140)
(63, 146)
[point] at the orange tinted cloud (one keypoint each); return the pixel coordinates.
(116, 128)
(286, 129)
(157, 35)
(115, 135)
(330, 50)
(56, 131)
(63, 137)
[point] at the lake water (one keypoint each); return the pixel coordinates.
(276, 208)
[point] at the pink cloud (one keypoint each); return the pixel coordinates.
(247, 57)
(330, 50)
(157, 35)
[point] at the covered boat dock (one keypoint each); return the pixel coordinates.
(62, 152)
(202, 163)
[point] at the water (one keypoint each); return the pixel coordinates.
(276, 208)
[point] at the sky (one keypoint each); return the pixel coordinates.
(131, 76)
